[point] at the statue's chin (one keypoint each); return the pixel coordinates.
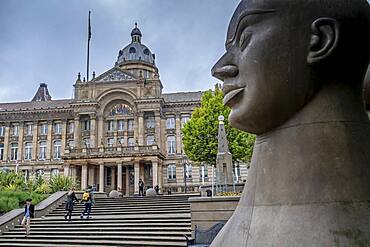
(238, 122)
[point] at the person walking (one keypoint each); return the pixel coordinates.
(29, 212)
(88, 200)
(141, 187)
(71, 198)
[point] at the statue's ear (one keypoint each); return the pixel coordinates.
(324, 39)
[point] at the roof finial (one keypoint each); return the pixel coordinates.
(135, 24)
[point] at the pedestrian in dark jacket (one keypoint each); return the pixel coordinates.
(141, 187)
(71, 198)
(29, 213)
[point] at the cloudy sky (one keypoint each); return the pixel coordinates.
(45, 41)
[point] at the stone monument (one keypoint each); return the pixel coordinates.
(224, 160)
(293, 74)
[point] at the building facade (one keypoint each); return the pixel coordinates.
(117, 128)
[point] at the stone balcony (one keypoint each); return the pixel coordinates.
(112, 152)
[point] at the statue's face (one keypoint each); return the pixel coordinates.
(264, 67)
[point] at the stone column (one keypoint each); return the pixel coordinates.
(160, 174)
(158, 121)
(64, 136)
(66, 170)
(93, 130)
(100, 131)
(113, 184)
(178, 134)
(127, 181)
(49, 146)
(136, 176)
(84, 177)
(101, 177)
(91, 172)
(77, 132)
(6, 142)
(35, 134)
(20, 140)
(155, 172)
(141, 128)
(119, 176)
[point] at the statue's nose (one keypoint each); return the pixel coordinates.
(223, 69)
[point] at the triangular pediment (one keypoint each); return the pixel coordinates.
(115, 74)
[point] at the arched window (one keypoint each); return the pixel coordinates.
(146, 52)
(171, 145)
(57, 149)
(121, 109)
(171, 172)
(132, 50)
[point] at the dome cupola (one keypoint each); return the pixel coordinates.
(136, 34)
(136, 51)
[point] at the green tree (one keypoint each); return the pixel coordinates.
(200, 133)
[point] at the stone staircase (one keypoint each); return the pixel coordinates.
(133, 221)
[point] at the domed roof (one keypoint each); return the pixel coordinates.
(136, 31)
(136, 51)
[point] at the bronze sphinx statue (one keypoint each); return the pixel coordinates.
(293, 74)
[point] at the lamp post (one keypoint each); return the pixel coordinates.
(184, 161)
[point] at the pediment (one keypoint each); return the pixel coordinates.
(114, 74)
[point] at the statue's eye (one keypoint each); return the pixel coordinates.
(245, 37)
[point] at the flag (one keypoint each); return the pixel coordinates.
(89, 34)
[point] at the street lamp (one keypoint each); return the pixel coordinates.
(184, 161)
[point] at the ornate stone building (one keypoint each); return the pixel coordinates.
(119, 127)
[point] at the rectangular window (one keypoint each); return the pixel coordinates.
(171, 172)
(188, 171)
(184, 120)
(86, 125)
(150, 122)
(150, 140)
(2, 130)
(44, 129)
(57, 150)
(1, 151)
(110, 125)
(203, 171)
(120, 125)
(29, 129)
(28, 151)
(170, 123)
(71, 127)
(110, 142)
(42, 152)
(54, 172)
(171, 145)
(14, 151)
(131, 142)
(15, 130)
(57, 128)
(130, 125)
(121, 141)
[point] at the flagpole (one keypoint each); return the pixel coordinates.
(88, 48)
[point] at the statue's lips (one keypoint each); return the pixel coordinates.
(232, 94)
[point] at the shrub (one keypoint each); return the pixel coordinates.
(61, 183)
(12, 200)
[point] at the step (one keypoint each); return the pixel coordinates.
(118, 222)
(102, 229)
(111, 233)
(62, 242)
(128, 216)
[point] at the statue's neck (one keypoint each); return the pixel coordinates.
(327, 136)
